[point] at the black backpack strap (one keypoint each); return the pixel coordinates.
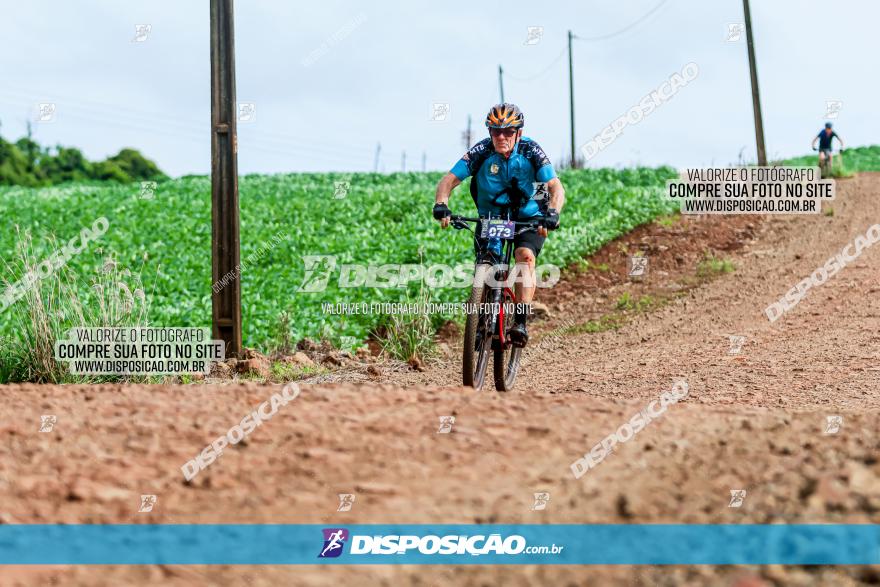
(473, 186)
(475, 157)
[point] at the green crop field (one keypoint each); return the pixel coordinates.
(382, 219)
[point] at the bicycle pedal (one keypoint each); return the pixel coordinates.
(517, 339)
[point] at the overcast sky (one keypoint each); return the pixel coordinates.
(331, 79)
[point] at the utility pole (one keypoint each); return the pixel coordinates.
(571, 98)
(466, 135)
(424, 161)
(501, 81)
(403, 161)
(376, 158)
(225, 303)
(756, 98)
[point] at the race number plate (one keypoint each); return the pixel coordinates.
(498, 228)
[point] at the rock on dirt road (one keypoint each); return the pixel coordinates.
(757, 420)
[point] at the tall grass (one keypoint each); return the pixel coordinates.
(54, 305)
(409, 337)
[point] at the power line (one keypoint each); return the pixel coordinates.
(543, 71)
(627, 27)
(103, 112)
(195, 132)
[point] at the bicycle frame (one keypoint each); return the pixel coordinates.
(485, 330)
(501, 266)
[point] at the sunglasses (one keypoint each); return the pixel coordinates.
(507, 132)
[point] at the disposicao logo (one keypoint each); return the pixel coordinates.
(334, 540)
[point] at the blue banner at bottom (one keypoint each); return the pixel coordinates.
(457, 544)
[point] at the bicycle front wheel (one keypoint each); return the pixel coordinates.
(477, 336)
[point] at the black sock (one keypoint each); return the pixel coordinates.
(522, 314)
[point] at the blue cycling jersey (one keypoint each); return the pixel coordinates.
(825, 139)
(493, 174)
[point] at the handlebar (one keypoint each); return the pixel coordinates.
(454, 218)
(460, 222)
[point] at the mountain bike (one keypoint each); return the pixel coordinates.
(488, 307)
(826, 166)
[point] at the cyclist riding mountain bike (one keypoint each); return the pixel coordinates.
(504, 171)
(824, 139)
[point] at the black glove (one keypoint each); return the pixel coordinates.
(815, 148)
(441, 211)
(551, 220)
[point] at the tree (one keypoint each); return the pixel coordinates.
(109, 171)
(27, 163)
(29, 148)
(67, 164)
(14, 166)
(136, 166)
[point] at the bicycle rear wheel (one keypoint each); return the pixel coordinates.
(477, 337)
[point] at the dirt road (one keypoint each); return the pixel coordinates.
(754, 421)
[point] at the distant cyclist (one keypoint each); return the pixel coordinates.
(505, 169)
(824, 139)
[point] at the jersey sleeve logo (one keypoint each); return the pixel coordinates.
(476, 154)
(536, 155)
